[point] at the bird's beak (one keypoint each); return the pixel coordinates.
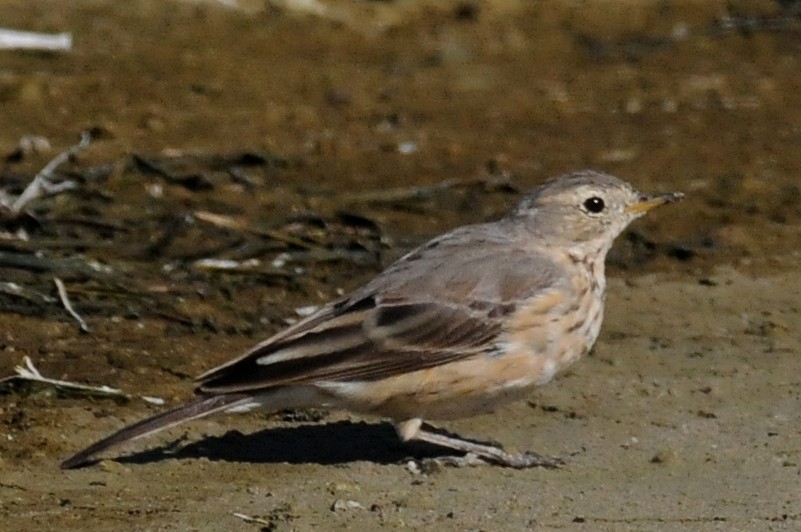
(646, 203)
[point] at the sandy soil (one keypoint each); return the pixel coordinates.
(685, 416)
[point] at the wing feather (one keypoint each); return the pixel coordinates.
(436, 305)
(409, 337)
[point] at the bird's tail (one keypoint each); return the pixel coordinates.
(202, 406)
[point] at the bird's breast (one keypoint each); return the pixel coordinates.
(555, 328)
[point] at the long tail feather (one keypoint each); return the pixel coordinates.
(202, 406)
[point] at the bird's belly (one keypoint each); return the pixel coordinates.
(468, 387)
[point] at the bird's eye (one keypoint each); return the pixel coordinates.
(594, 205)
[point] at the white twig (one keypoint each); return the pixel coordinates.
(30, 40)
(41, 185)
(152, 400)
(65, 300)
(250, 519)
(28, 372)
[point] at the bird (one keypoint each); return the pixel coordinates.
(473, 319)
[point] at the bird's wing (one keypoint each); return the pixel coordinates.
(427, 316)
(370, 341)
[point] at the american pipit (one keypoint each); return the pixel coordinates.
(473, 319)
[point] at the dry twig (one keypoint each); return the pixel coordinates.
(235, 224)
(42, 186)
(28, 373)
(65, 300)
(30, 40)
(252, 519)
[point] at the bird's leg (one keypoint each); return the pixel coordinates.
(475, 453)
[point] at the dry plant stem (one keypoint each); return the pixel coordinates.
(250, 519)
(66, 267)
(23, 292)
(401, 193)
(41, 185)
(29, 40)
(28, 372)
(65, 300)
(237, 224)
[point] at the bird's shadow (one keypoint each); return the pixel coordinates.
(326, 444)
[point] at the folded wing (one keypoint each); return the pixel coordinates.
(368, 341)
(395, 324)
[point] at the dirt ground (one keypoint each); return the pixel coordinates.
(310, 146)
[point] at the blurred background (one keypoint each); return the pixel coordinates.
(357, 97)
